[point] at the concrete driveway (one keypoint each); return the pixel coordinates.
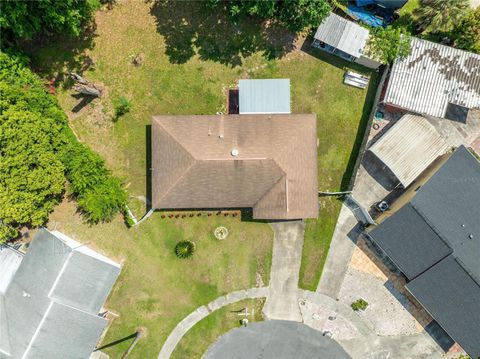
(282, 300)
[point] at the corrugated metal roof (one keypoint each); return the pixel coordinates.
(409, 147)
(432, 76)
(264, 96)
(342, 34)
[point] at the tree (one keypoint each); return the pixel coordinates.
(386, 45)
(440, 15)
(20, 20)
(39, 151)
(467, 31)
(295, 15)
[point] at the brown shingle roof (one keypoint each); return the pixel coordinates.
(275, 171)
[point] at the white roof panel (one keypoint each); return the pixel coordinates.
(264, 96)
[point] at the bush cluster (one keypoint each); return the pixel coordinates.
(122, 106)
(38, 151)
(359, 304)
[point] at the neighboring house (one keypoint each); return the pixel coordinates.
(409, 147)
(264, 162)
(50, 306)
(434, 239)
(345, 39)
(435, 80)
(264, 96)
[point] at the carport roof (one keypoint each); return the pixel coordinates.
(409, 147)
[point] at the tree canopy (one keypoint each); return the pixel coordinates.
(38, 152)
(388, 44)
(295, 15)
(441, 15)
(466, 32)
(23, 20)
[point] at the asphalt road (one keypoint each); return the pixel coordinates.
(275, 339)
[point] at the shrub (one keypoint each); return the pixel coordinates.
(359, 304)
(102, 202)
(386, 45)
(184, 249)
(122, 106)
(7, 232)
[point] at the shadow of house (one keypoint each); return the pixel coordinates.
(191, 27)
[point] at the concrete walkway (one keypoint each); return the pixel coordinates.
(282, 300)
(193, 318)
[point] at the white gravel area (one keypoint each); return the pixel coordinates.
(386, 309)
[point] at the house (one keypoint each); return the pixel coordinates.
(434, 239)
(435, 80)
(409, 147)
(51, 299)
(264, 162)
(345, 39)
(264, 96)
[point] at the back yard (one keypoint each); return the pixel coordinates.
(190, 57)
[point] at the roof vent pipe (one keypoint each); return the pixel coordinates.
(234, 152)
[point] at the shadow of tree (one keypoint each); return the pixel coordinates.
(190, 28)
(55, 57)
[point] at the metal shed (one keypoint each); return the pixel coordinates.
(341, 37)
(264, 96)
(409, 147)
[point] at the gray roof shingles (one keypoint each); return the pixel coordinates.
(452, 297)
(435, 241)
(410, 242)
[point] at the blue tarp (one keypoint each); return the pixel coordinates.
(364, 2)
(364, 16)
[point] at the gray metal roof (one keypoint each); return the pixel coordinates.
(10, 260)
(342, 34)
(433, 76)
(410, 242)
(444, 213)
(60, 284)
(452, 297)
(264, 96)
(409, 147)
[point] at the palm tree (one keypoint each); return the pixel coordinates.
(440, 15)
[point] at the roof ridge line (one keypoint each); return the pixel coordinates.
(174, 137)
(270, 189)
(179, 178)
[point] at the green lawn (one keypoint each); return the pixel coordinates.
(191, 58)
(198, 339)
(156, 290)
